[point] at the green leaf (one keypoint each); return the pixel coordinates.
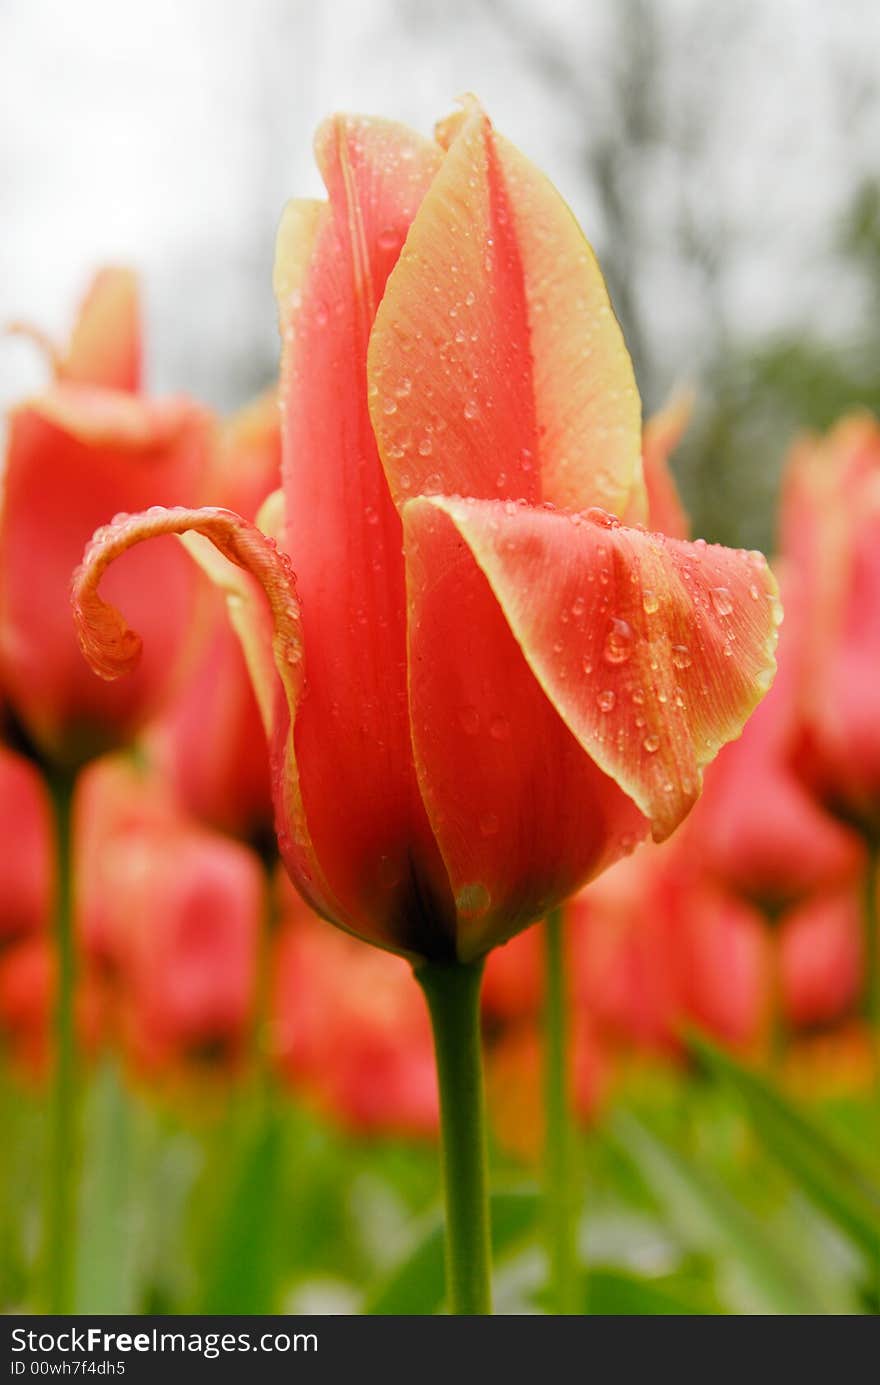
(612, 1291)
(241, 1270)
(821, 1168)
(710, 1218)
(109, 1268)
(416, 1283)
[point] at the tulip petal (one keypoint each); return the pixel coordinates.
(663, 432)
(497, 368)
(523, 817)
(113, 649)
(365, 813)
(105, 347)
(652, 650)
(301, 220)
(76, 455)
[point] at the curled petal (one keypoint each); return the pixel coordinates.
(270, 632)
(497, 368)
(653, 651)
(106, 640)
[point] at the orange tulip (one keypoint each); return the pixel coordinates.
(820, 959)
(757, 829)
(831, 538)
(488, 688)
(351, 1031)
(26, 866)
(87, 447)
(173, 912)
(211, 742)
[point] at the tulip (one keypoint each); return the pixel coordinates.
(514, 1071)
(490, 688)
(351, 1030)
(89, 445)
(171, 912)
(28, 981)
(211, 743)
(831, 538)
(820, 960)
(26, 864)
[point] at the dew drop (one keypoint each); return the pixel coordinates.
(650, 603)
(606, 700)
(722, 601)
(596, 515)
(618, 641)
(681, 656)
(471, 409)
(388, 239)
(651, 743)
(472, 899)
(425, 447)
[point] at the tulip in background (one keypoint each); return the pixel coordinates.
(482, 687)
(349, 1028)
(210, 741)
(831, 541)
(89, 445)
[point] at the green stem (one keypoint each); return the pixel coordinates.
(777, 1027)
(452, 990)
(560, 1192)
(260, 1045)
(871, 944)
(60, 1206)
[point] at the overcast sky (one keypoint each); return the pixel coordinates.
(168, 134)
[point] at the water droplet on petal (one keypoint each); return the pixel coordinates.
(651, 743)
(606, 700)
(618, 641)
(722, 601)
(472, 899)
(681, 656)
(650, 602)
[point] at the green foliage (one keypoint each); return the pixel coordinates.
(704, 1193)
